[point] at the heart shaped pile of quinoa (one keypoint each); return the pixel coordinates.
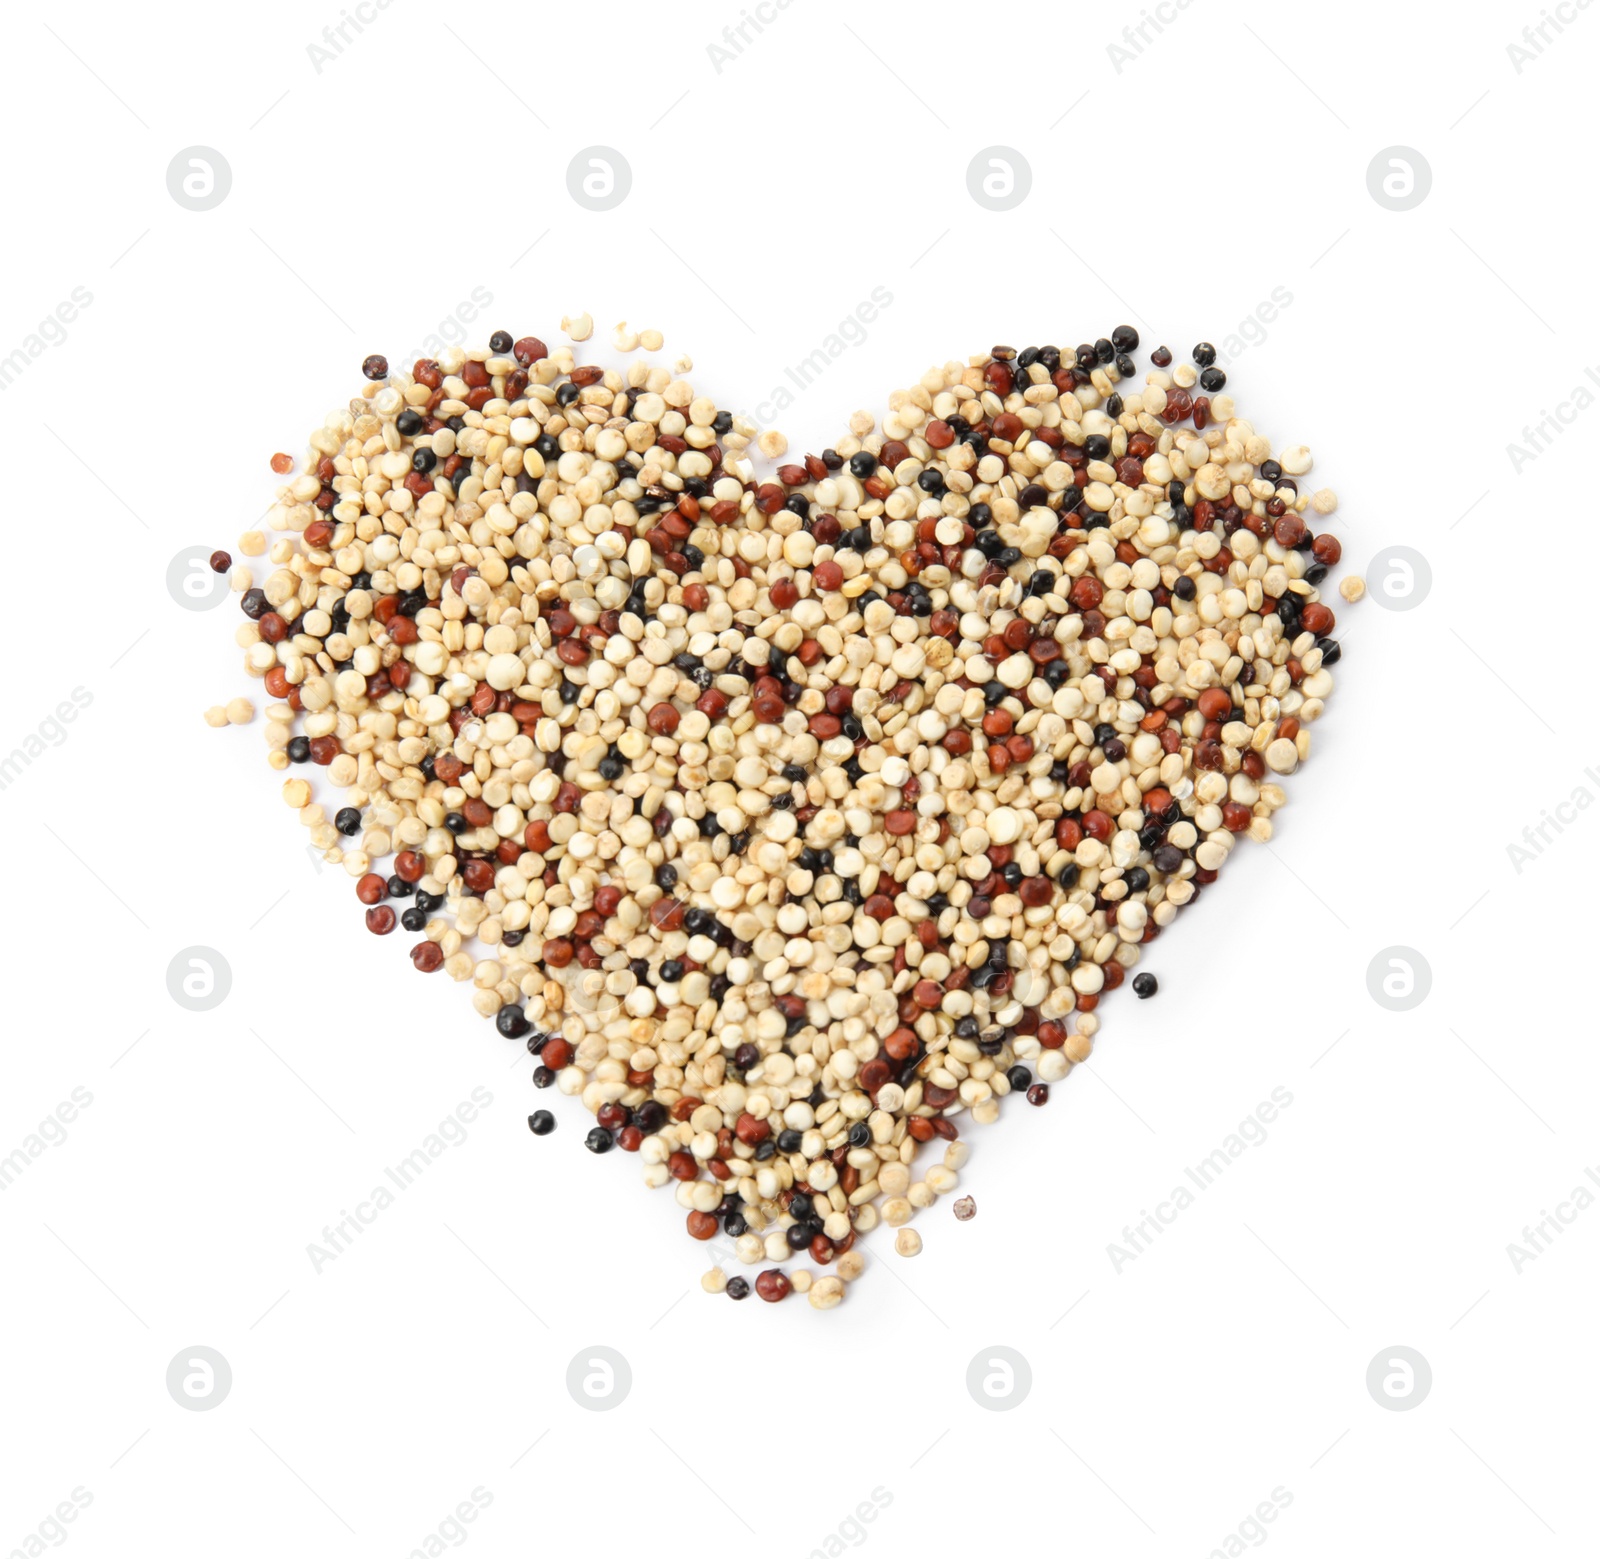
(794, 822)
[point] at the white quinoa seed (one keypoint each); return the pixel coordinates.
(825, 1293)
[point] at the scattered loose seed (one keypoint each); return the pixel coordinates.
(908, 1243)
(216, 716)
(240, 711)
(653, 341)
(1352, 587)
(773, 1285)
(965, 1208)
(825, 1293)
(578, 327)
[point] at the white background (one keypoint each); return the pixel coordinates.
(768, 199)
